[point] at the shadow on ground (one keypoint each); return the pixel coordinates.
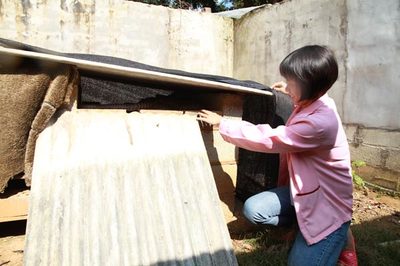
(377, 243)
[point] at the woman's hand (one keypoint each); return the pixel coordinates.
(209, 117)
(280, 86)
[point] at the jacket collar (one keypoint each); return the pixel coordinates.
(314, 105)
(308, 109)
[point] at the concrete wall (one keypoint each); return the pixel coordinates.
(179, 39)
(365, 36)
(373, 64)
(265, 36)
(371, 100)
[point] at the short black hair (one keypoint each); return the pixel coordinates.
(314, 67)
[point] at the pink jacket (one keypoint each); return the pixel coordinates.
(315, 158)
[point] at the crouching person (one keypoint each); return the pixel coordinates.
(315, 184)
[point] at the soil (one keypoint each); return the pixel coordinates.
(368, 206)
(12, 240)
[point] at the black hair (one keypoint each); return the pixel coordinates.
(314, 67)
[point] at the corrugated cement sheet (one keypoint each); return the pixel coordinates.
(111, 188)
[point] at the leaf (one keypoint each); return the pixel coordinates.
(358, 164)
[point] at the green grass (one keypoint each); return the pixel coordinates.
(368, 237)
(268, 248)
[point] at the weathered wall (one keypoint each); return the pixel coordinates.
(373, 62)
(365, 36)
(371, 98)
(179, 39)
(266, 35)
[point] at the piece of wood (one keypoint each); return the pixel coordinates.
(111, 188)
(14, 207)
(133, 73)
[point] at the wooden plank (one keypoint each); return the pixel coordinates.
(110, 188)
(225, 179)
(134, 73)
(14, 207)
(218, 150)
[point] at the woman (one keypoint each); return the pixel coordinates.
(315, 184)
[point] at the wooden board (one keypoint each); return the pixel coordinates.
(111, 188)
(134, 73)
(14, 206)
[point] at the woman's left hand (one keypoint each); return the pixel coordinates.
(209, 117)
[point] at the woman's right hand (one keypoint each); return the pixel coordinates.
(280, 86)
(209, 117)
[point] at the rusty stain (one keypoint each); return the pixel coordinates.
(62, 23)
(43, 2)
(26, 5)
(22, 18)
(288, 33)
(343, 23)
(93, 7)
(267, 49)
(63, 5)
(384, 156)
(77, 9)
(1, 10)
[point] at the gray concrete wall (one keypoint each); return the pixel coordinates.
(265, 36)
(179, 39)
(373, 64)
(365, 36)
(371, 99)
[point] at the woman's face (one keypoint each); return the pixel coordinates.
(294, 90)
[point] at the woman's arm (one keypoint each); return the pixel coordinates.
(301, 136)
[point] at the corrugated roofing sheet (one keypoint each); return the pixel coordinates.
(238, 13)
(111, 188)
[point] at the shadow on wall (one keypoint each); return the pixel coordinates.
(237, 223)
(220, 176)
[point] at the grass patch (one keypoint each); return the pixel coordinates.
(263, 248)
(376, 242)
(376, 228)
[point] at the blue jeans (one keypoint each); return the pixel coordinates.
(274, 207)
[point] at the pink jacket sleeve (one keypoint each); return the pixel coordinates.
(300, 136)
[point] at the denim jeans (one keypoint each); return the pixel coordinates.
(270, 207)
(274, 207)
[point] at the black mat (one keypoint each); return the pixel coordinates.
(256, 171)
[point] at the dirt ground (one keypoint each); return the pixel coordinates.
(368, 206)
(12, 239)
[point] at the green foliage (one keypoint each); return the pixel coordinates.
(188, 4)
(357, 179)
(215, 5)
(247, 3)
(358, 164)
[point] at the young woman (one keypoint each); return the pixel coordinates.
(315, 185)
